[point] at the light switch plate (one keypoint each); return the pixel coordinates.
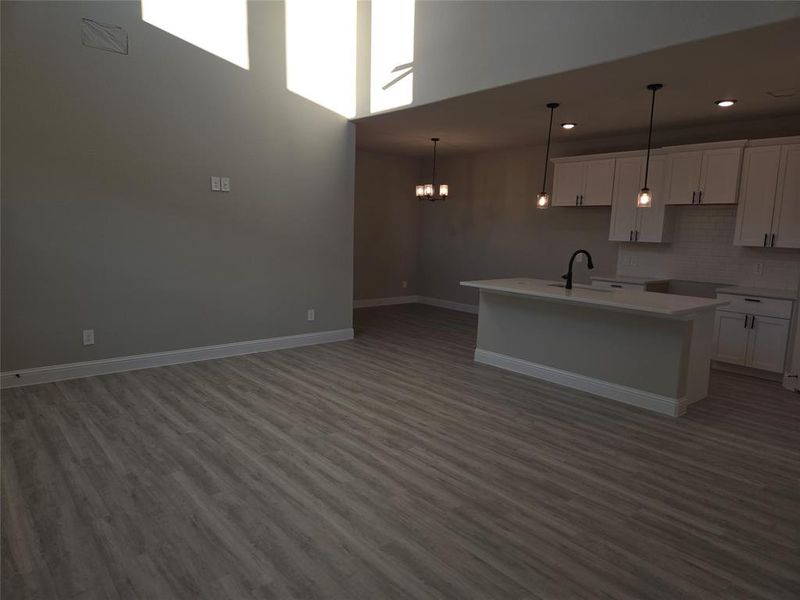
(311, 314)
(215, 184)
(225, 182)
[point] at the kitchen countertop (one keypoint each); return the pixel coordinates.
(665, 305)
(630, 279)
(739, 290)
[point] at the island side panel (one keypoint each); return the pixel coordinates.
(624, 348)
(698, 359)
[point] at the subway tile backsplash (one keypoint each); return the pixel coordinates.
(702, 250)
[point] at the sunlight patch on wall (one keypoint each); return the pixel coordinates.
(216, 26)
(321, 52)
(392, 54)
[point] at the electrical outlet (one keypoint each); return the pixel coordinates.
(405, 284)
(88, 337)
(225, 184)
(759, 269)
(215, 184)
(311, 314)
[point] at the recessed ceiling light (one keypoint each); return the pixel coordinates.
(725, 103)
(568, 125)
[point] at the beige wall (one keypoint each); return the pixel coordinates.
(386, 226)
(107, 218)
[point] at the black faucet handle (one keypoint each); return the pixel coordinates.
(565, 276)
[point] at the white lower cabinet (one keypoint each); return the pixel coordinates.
(766, 346)
(730, 337)
(752, 340)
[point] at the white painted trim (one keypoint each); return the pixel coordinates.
(173, 357)
(385, 301)
(662, 404)
(460, 306)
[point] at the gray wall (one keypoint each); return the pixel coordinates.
(466, 46)
(107, 218)
(490, 228)
(386, 225)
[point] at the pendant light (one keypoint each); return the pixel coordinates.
(427, 191)
(645, 198)
(543, 198)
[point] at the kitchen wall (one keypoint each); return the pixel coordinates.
(386, 225)
(107, 218)
(489, 228)
(466, 46)
(702, 250)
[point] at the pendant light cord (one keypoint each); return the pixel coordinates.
(552, 106)
(655, 87)
(433, 176)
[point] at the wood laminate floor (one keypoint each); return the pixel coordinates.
(392, 466)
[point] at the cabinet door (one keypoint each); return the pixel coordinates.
(730, 337)
(757, 195)
(684, 177)
(786, 222)
(598, 186)
(650, 224)
(568, 181)
(627, 183)
(766, 348)
(719, 176)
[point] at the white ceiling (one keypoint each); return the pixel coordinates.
(610, 99)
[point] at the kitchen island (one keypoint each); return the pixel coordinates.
(648, 349)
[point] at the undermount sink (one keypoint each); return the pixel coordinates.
(578, 286)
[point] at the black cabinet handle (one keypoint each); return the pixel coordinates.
(700, 197)
(752, 321)
(581, 199)
(636, 236)
(773, 241)
(752, 300)
(693, 195)
(630, 237)
(615, 285)
(765, 239)
(745, 321)
(576, 199)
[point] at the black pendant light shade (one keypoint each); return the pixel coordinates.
(543, 198)
(427, 191)
(645, 197)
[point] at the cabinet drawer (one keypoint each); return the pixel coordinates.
(755, 305)
(615, 285)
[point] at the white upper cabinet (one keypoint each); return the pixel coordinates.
(583, 182)
(599, 185)
(704, 176)
(568, 183)
(786, 220)
(769, 208)
(684, 177)
(628, 222)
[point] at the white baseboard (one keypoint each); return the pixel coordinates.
(468, 308)
(384, 301)
(661, 404)
(459, 306)
(159, 359)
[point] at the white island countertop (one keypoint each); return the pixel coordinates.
(657, 304)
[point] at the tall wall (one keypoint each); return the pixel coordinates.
(107, 218)
(466, 46)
